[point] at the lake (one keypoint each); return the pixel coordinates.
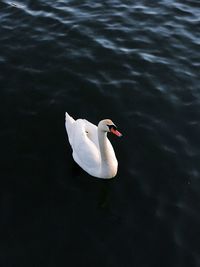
(135, 62)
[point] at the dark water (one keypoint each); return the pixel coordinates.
(136, 62)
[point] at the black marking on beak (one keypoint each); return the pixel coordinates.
(112, 127)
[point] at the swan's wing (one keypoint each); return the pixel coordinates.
(85, 145)
(92, 132)
(69, 125)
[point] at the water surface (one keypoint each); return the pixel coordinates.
(134, 62)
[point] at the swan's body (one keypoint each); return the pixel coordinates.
(92, 150)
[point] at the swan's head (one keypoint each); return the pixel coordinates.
(108, 126)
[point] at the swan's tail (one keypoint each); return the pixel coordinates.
(69, 126)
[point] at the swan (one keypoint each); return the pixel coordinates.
(91, 149)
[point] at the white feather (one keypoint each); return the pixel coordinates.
(91, 148)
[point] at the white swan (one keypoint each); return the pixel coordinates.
(91, 148)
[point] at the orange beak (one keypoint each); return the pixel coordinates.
(117, 133)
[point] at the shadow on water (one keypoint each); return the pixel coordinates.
(101, 188)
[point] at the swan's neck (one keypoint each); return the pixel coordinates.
(108, 164)
(102, 136)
